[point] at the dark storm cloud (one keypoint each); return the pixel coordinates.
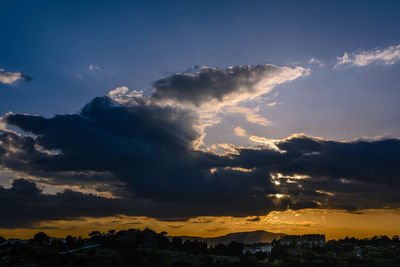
(363, 161)
(24, 204)
(20, 153)
(143, 153)
(146, 147)
(348, 175)
(366, 161)
(105, 136)
(211, 83)
(348, 196)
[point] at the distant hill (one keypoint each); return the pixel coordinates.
(245, 237)
(242, 237)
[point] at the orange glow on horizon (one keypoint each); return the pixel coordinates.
(334, 224)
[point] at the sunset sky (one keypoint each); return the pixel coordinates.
(200, 117)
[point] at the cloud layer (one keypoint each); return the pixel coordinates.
(140, 151)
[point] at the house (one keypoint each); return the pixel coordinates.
(256, 248)
(299, 241)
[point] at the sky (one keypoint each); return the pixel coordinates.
(200, 117)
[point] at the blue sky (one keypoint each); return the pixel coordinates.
(137, 42)
(328, 69)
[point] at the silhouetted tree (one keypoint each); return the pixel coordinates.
(235, 248)
(176, 243)
(70, 240)
(41, 237)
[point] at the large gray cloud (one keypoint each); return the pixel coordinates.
(367, 161)
(24, 204)
(359, 174)
(164, 171)
(233, 84)
(146, 147)
(143, 153)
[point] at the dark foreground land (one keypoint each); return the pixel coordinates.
(147, 248)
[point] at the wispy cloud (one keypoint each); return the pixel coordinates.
(272, 104)
(239, 131)
(388, 56)
(270, 143)
(12, 77)
(94, 68)
(319, 62)
(123, 95)
(251, 114)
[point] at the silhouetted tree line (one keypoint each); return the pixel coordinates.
(135, 247)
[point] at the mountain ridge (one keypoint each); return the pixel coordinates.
(249, 237)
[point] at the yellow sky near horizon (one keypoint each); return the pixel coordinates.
(334, 224)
